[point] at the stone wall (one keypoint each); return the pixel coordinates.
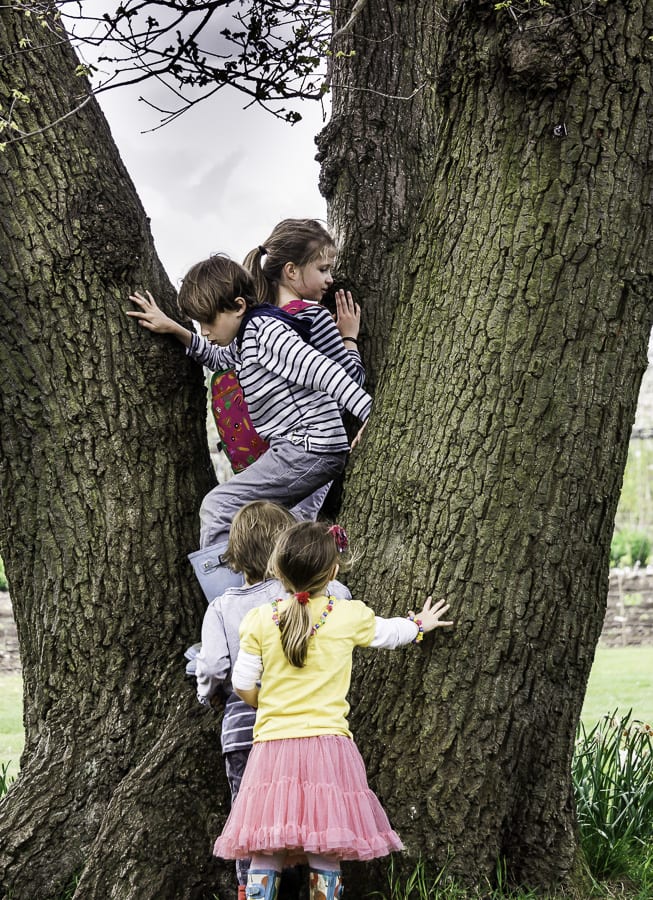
(629, 618)
(9, 656)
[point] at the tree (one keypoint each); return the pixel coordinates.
(489, 170)
(496, 223)
(104, 463)
(272, 51)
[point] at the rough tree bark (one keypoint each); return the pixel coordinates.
(516, 259)
(104, 463)
(377, 151)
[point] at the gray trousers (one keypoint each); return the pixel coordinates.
(285, 474)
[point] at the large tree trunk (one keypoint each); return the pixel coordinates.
(507, 388)
(104, 463)
(377, 151)
(506, 279)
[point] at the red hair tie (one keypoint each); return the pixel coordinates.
(303, 597)
(340, 536)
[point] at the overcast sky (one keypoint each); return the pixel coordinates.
(219, 177)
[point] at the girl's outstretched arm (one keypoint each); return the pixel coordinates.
(150, 316)
(397, 631)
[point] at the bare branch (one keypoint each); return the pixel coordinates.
(8, 123)
(355, 13)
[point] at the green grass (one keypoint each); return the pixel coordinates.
(11, 721)
(613, 783)
(621, 679)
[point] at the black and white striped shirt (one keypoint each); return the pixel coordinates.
(292, 390)
(326, 338)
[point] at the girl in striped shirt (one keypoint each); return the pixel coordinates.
(293, 267)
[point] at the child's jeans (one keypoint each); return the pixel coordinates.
(307, 510)
(285, 474)
(235, 762)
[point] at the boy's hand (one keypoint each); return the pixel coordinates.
(150, 316)
(359, 435)
(348, 321)
(430, 615)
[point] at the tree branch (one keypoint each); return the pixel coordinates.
(355, 13)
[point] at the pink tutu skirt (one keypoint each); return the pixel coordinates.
(307, 795)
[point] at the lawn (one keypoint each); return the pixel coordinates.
(622, 678)
(11, 720)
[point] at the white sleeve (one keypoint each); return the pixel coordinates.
(247, 671)
(392, 633)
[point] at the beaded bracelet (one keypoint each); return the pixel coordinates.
(420, 629)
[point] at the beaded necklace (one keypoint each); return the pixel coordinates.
(320, 622)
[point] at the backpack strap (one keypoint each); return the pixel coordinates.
(303, 329)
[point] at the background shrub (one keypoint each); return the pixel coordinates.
(629, 547)
(613, 783)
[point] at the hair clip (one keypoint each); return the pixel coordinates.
(262, 250)
(340, 536)
(303, 597)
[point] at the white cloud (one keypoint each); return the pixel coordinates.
(219, 177)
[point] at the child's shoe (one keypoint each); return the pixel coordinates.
(325, 885)
(262, 885)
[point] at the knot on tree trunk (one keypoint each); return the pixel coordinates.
(543, 53)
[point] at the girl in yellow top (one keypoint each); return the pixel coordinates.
(304, 794)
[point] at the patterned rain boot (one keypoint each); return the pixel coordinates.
(262, 884)
(325, 885)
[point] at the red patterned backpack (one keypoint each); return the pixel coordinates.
(238, 437)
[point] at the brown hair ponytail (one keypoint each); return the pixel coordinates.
(299, 241)
(264, 287)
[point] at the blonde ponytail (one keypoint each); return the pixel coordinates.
(305, 557)
(295, 627)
